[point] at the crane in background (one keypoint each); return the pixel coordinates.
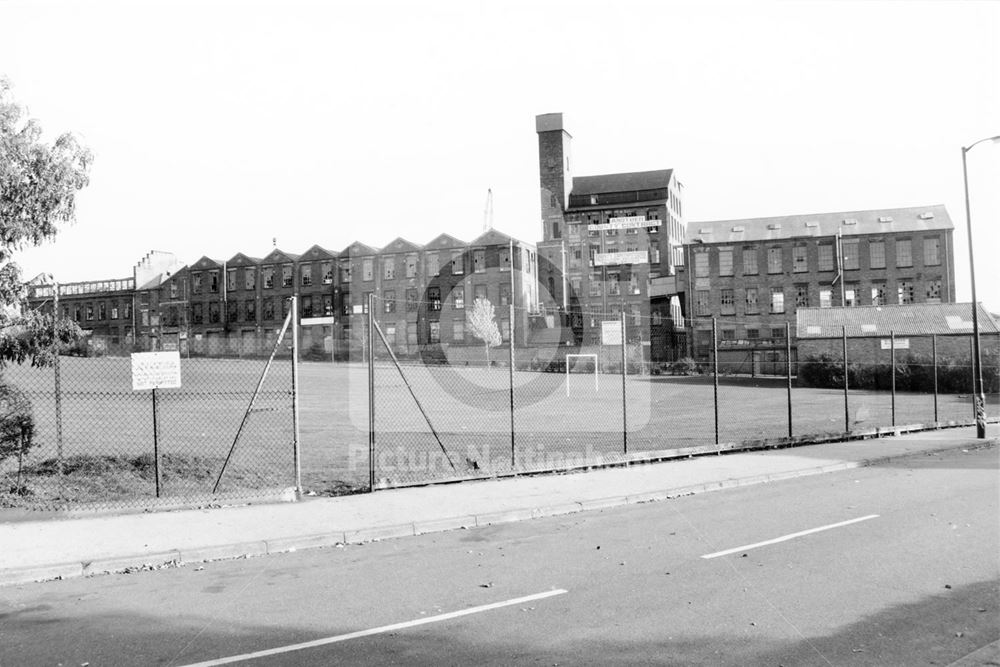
(488, 211)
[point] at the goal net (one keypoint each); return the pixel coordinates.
(587, 363)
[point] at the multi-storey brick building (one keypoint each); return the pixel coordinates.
(753, 275)
(605, 238)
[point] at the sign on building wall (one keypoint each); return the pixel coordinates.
(609, 258)
(901, 343)
(156, 370)
(611, 332)
(631, 222)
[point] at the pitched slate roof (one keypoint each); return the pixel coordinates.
(315, 251)
(358, 249)
(207, 262)
(279, 255)
(877, 221)
(239, 259)
(399, 244)
(908, 320)
(445, 241)
(627, 182)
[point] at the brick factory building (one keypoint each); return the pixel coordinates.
(605, 239)
(753, 275)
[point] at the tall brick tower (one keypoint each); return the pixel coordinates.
(555, 178)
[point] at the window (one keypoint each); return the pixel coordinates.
(878, 294)
(636, 314)
(778, 332)
(250, 310)
(389, 298)
(633, 283)
(196, 283)
(749, 261)
(232, 311)
(346, 303)
(268, 308)
(345, 271)
(197, 313)
(327, 305)
(725, 261)
(213, 282)
(614, 289)
(932, 254)
(727, 302)
(171, 320)
(504, 259)
(458, 297)
(411, 266)
(478, 292)
(701, 302)
(774, 260)
(250, 278)
(173, 289)
(434, 296)
(825, 257)
(904, 253)
(594, 285)
(751, 301)
(267, 275)
(800, 262)
(76, 313)
(575, 258)
(777, 300)
(504, 329)
(478, 261)
(214, 312)
(729, 334)
(128, 311)
(504, 294)
(411, 333)
(389, 267)
(431, 259)
(850, 250)
(876, 254)
(654, 255)
(287, 278)
(368, 269)
(306, 275)
(458, 330)
(326, 268)
(904, 291)
(230, 280)
(933, 291)
(457, 262)
(435, 332)
(825, 298)
(114, 306)
(701, 265)
(802, 296)
(556, 232)
(576, 282)
(753, 334)
(411, 300)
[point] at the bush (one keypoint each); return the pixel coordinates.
(685, 366)
(913, 373)
(17, 422)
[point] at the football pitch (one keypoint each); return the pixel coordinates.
(430, 422)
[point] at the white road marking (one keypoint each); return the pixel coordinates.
(375, 631)
(789, 537)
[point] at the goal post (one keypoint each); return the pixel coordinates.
(574, 356)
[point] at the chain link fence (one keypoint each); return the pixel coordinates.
(77, 435)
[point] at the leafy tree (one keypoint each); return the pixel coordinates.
(482, 322)
(38, 186)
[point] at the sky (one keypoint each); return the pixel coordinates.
(225, 127)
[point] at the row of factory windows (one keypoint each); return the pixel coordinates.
(878, 295)
(931, 247)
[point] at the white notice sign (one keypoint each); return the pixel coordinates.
(901, 344)
(611, 332)
(156, 370)
(612, 258)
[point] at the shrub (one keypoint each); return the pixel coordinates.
(685, 366)
(17, 422)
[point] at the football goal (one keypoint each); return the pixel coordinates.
(570, 366)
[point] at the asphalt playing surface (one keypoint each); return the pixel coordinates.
(911, 580)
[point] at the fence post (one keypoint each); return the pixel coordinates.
(624, 370)
(788, 371)
(715, 375)
(511, 345)
(58, 388)
(156, 446)
(296, 443)
(972, 366)
(371, 392)
(892, 373)
(935, 368)
(847, 413)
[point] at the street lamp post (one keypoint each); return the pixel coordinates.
(977, 367)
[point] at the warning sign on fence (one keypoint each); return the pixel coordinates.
(156, 370)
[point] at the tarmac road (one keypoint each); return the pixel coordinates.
(891, 565)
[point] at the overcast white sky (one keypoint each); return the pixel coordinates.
(219, 126)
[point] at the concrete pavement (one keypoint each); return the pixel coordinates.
(39, 550)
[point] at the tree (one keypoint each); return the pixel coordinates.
(38, 186)
(483, 324)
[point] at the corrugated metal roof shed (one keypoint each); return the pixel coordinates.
(849, 223)
(908, 320)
